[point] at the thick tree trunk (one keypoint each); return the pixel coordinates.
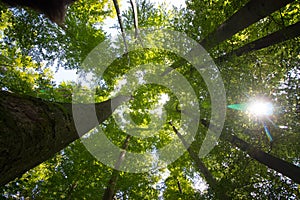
(287, 33)
(33, 130)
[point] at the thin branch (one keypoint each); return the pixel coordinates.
(135, 17)
(179, 186)
(117, 8)
(136, 22)
(282, 18)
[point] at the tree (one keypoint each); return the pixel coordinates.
(286, 168)
(202, 168)
(41, 139)
(229, 169)
(287, 33)
(54, 10)
(247, 15)
(110, 190)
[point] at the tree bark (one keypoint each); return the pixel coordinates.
(33, 130)
(287, 33)
(135, 18)
(117, 8)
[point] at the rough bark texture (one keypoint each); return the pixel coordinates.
(33, 130)
(287, 33)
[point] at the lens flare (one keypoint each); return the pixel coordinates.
(259, 108)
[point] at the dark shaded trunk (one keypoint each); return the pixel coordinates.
(110, 190)
(202, 168)
(285, 168)
(33, 130)
(253, 11)
(287, 33)
(55, 10)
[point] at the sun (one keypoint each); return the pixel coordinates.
(260, 108)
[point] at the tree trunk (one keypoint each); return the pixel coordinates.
(277, 164)
(55, 10)
(287, 33)
(201, 167)
(253, 11)
(110, 190)
(135, 18)
(33, 130)
(117, 8)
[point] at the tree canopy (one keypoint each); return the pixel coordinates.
(146, 90)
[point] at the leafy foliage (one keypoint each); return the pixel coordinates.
(30, 44)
